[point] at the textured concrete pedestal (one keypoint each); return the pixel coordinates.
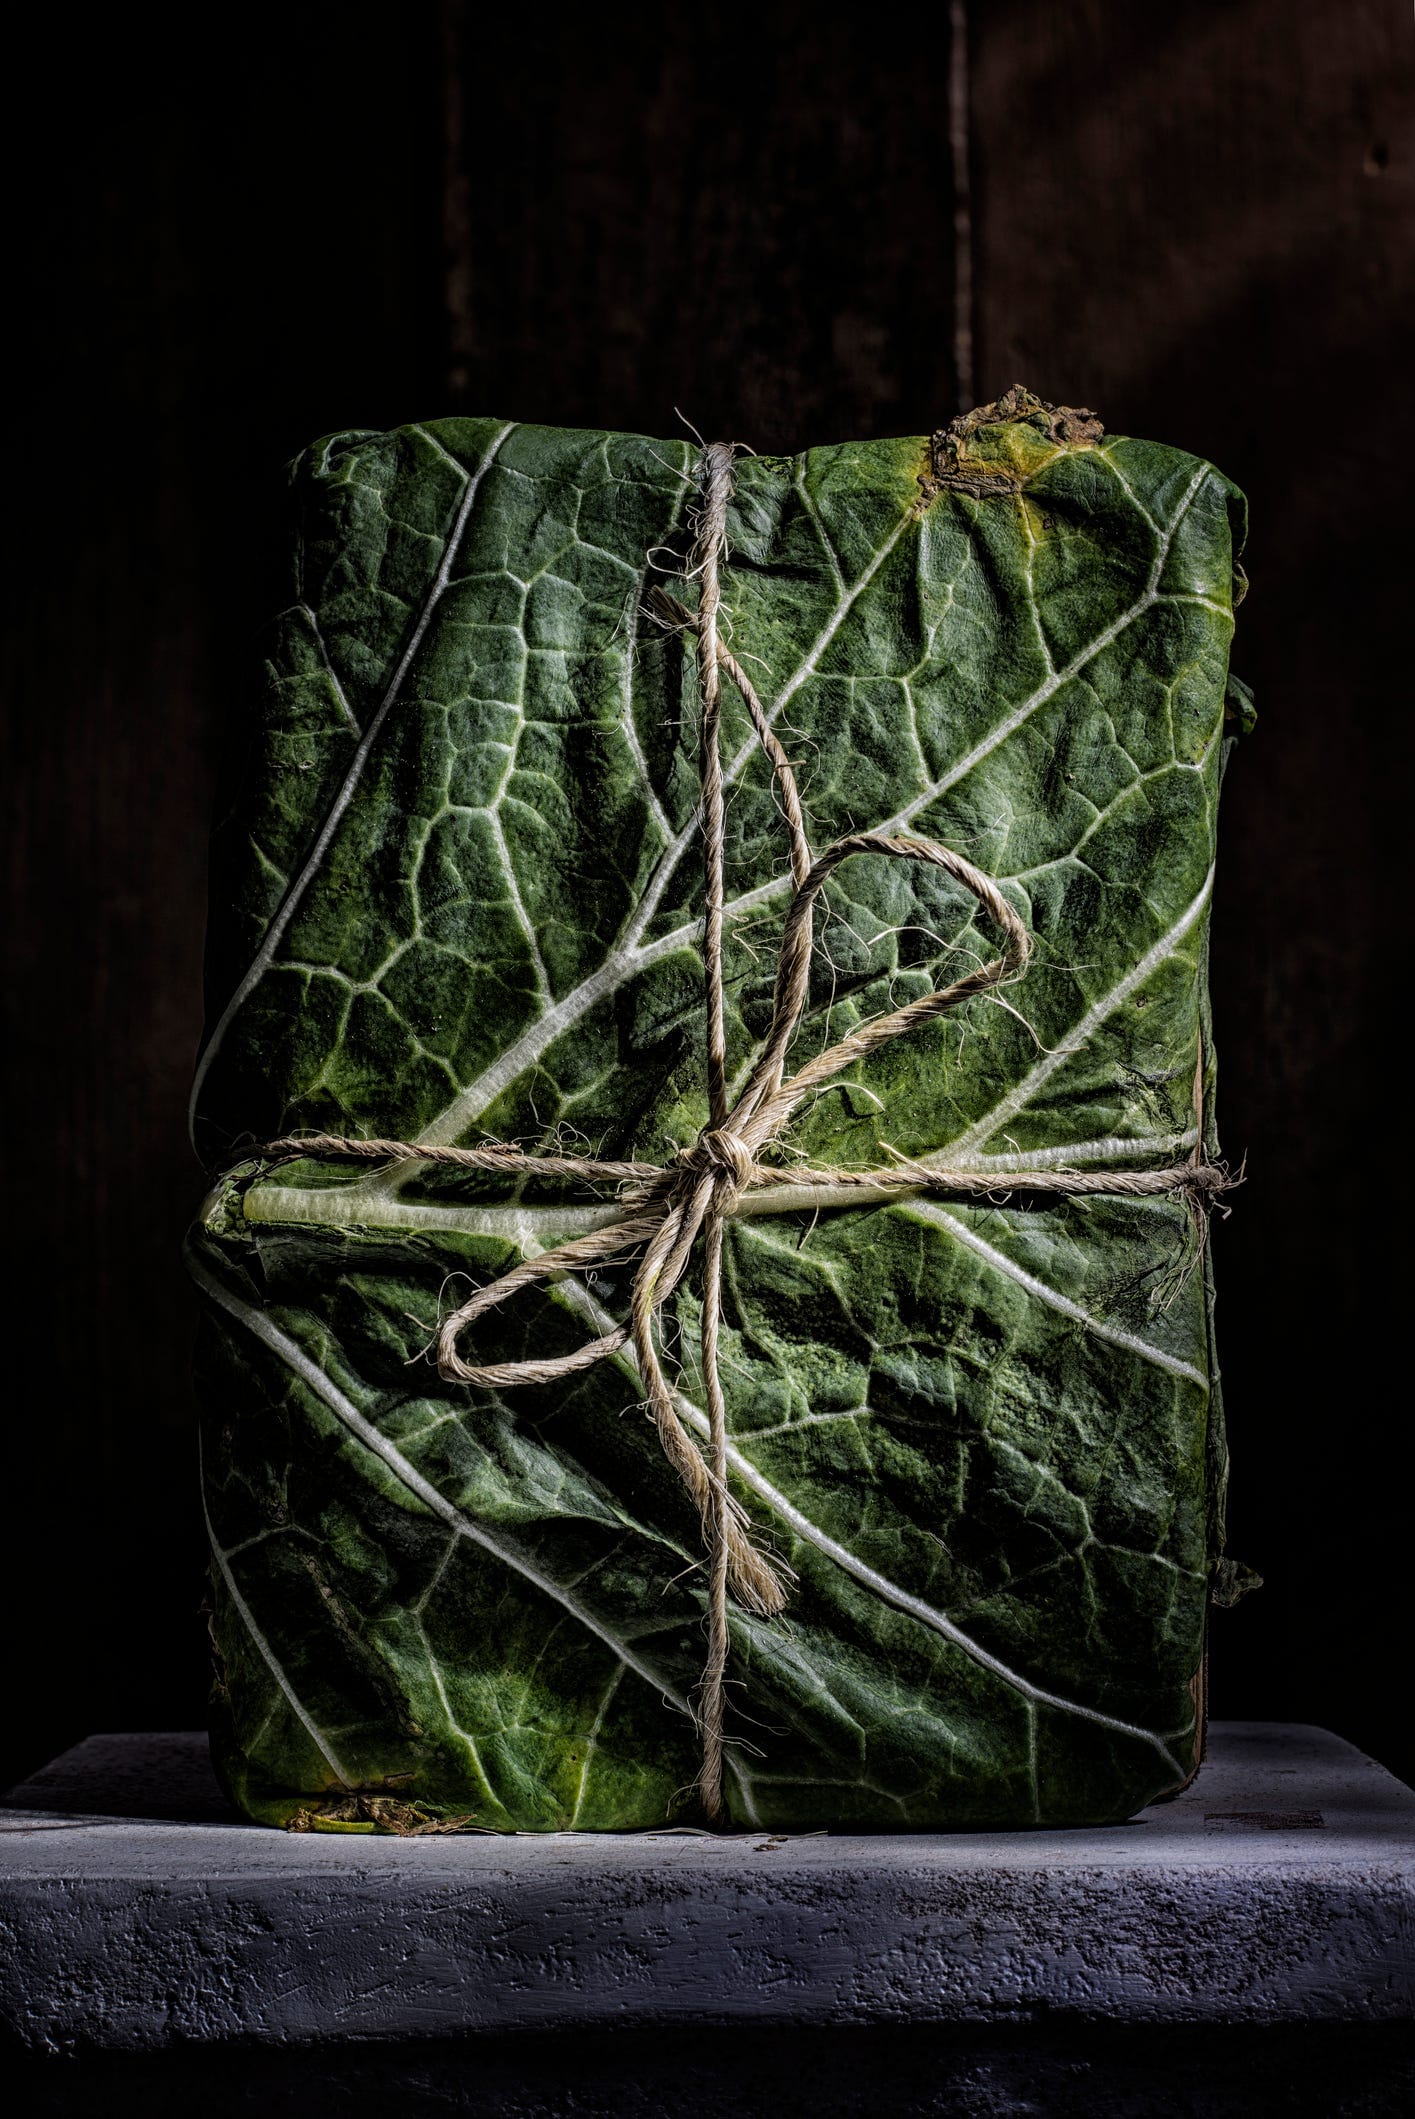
(1247, 1948)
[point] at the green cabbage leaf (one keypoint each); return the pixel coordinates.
(459, 897)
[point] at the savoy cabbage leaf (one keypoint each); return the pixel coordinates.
(460, 897)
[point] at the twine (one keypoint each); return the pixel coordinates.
(664, 1210)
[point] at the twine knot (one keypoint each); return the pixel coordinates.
(720, 1154)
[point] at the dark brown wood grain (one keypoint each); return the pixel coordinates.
(213, 263)
(747, 217)
(1200, 220)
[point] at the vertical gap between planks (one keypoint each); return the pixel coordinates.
(456, 209)
(958, 142)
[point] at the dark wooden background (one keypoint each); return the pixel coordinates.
(1199, 220)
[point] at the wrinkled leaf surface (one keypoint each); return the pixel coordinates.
(460, 895)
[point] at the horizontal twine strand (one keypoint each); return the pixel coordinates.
(1204, 1180)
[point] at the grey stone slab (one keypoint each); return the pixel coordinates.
(137, 1915)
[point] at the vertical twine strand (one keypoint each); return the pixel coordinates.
(711, 545)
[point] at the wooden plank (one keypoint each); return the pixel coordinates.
(210, 271)
(1201, 221)
(748, 216)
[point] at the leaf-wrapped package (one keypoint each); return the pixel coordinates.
(460, 898)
